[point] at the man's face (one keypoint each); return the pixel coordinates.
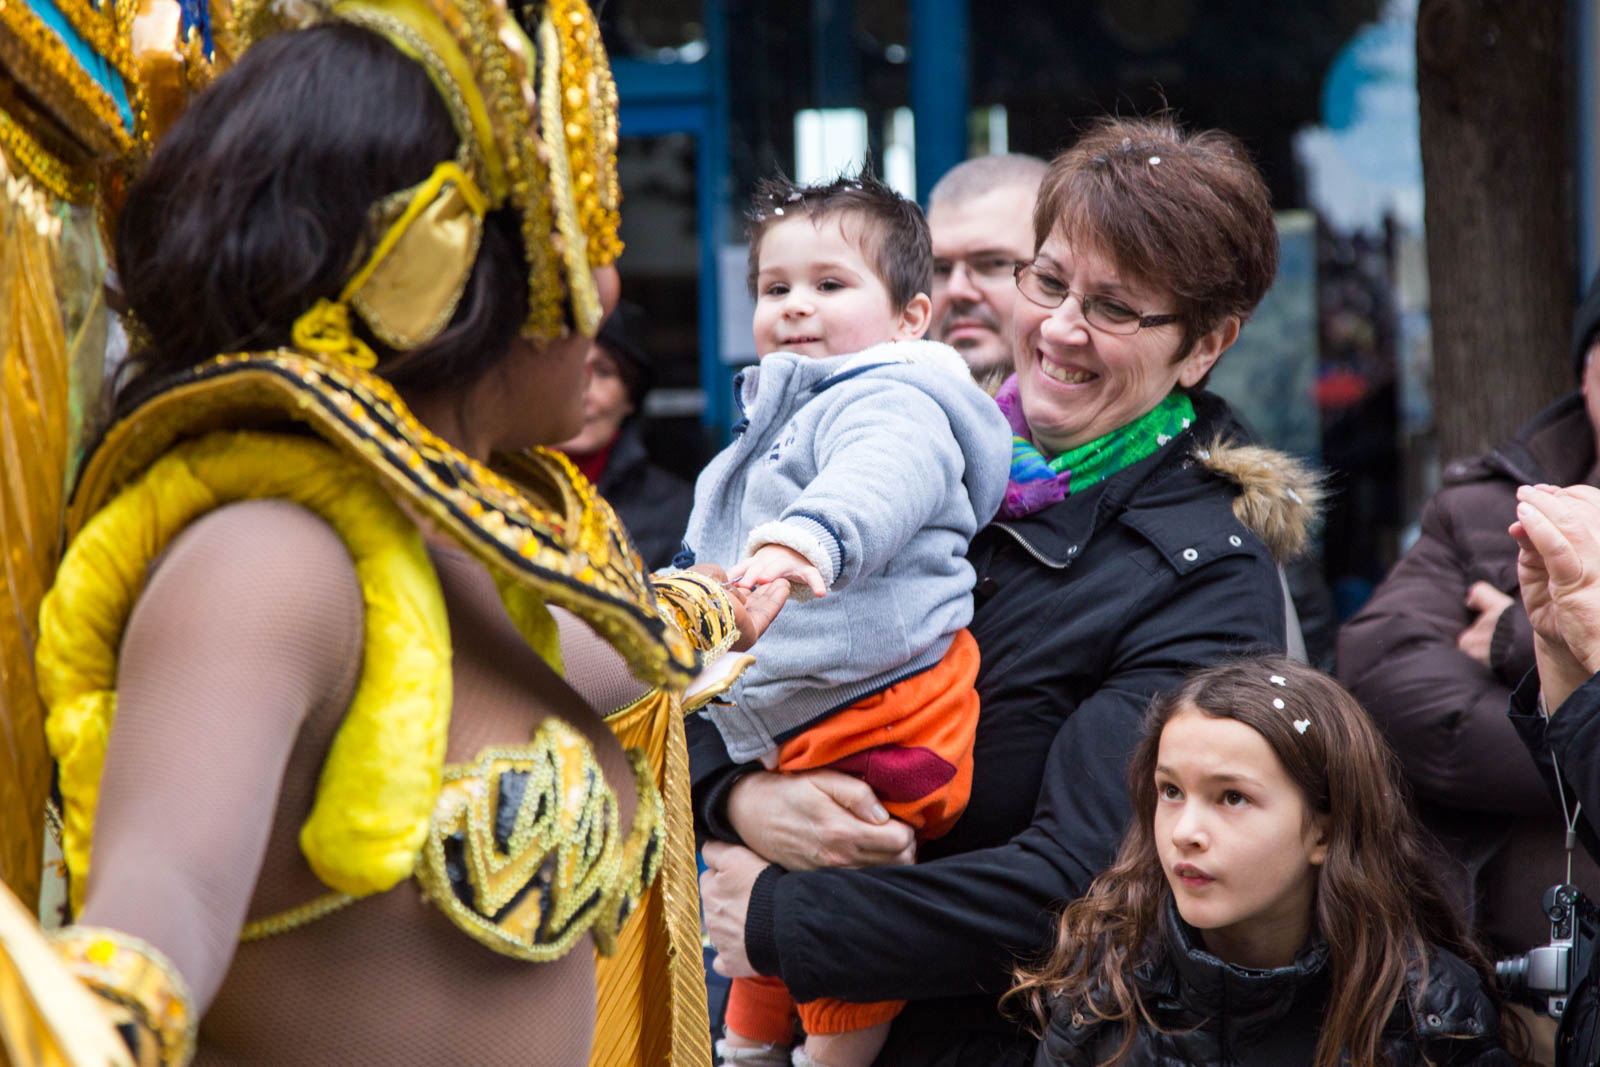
(975, 245)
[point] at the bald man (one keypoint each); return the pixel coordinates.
(981, 217)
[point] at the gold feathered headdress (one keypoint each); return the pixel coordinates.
(532, 99)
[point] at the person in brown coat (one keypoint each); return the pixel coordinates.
(1435, 654)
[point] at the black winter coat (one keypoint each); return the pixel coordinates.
(1209, 1012)
(1570, 740)
(652, 503)
(1084, 611)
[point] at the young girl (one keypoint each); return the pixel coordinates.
(1270, 903)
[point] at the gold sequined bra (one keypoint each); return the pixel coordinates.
(524, 852)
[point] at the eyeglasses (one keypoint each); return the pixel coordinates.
(1101, 312)
(986, 269)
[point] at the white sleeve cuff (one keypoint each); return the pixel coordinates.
(806, 537)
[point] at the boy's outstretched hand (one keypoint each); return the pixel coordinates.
(770, 563)
(752, 612)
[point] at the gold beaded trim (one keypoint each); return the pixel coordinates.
(37, 163)
(139, 979)
(588, 95)
(506, 77)
(197, 66)
(103, 31)
(294, 918)
(530, 879)
(43, 63)
(580, 283)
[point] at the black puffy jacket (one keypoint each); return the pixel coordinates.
(1210, 1012)
(652, 503)
(1084, 611)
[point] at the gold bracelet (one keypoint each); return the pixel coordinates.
(699, 607)
(141, 986)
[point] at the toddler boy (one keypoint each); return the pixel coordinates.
(865, 462)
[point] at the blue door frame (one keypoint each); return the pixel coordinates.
(662, 98)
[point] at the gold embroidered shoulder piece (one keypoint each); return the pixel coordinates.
(553, 539)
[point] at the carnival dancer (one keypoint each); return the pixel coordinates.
(321, 682)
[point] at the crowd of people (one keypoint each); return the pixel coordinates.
(391, 688)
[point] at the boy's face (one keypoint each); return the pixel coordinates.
(817, 295)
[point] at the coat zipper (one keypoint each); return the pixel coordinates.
(1034, 552)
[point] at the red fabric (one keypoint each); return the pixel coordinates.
(760, 1009)
(592, 464)
(914, 738)
(897, 773)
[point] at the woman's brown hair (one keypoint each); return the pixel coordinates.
(1181, 212)
(1377, 906)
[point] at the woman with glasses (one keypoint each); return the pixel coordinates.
(1137, 540)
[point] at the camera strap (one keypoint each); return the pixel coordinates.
(1572, 820)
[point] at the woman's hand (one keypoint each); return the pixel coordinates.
(725, 887)
(1558, 570)
(817, 819)
(754, 611)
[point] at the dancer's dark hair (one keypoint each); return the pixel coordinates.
(255, 205)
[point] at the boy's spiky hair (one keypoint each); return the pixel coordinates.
(893, 234)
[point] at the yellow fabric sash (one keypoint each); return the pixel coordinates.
(652, 990)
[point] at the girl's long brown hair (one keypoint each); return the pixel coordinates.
(1378, 906)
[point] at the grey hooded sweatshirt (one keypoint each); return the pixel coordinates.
(878, 467)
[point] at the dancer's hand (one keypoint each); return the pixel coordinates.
(754, 611)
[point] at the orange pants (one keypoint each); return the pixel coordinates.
(913, 744)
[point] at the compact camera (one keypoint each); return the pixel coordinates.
(1544, 977)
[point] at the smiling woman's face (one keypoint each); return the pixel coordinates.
(1077, 382)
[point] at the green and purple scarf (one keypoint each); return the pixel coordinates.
(1037, 482)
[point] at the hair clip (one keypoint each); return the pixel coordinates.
(1154, 160)
(1277, 702)
(1302, 725)
(777, 211)
(794, 197)
(1278, 679)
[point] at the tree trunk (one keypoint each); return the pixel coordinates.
(1492, 82)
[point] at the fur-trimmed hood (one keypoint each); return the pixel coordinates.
(1280, 497)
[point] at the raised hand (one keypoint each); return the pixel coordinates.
(1558, 566)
